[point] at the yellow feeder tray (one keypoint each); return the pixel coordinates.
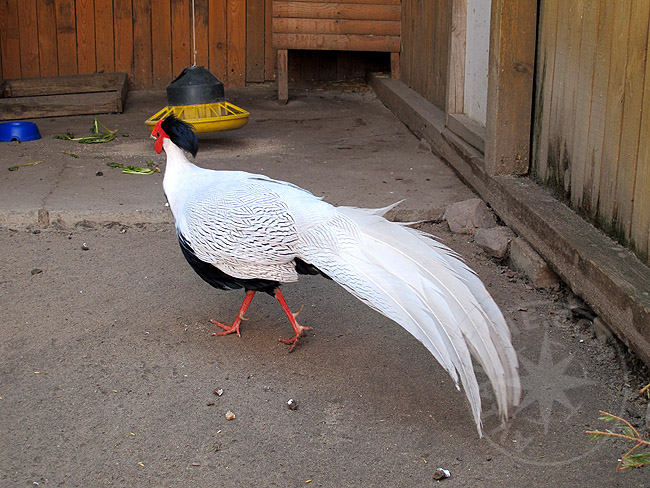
(207, 117)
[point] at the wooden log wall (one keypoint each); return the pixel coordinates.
(425, 48)
(150, 40)
(591, 132)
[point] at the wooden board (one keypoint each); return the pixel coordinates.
(123, 22)
(336, 26)
(349, 42)
(86, 59)
(142, 57)
(255, 21)
(66, 37)
(9, 38)
(27, 19)
(66, 95)
(336, 10)
(236, 22)
(218, 34)
(105, 37)
(161, 44)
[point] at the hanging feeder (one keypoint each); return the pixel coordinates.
(197, 97)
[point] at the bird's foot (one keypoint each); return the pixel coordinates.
(234, 328)
(300, 331)
(227, 329)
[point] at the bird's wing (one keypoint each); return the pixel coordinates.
(422, 285)
(247, 232)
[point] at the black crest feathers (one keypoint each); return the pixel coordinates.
(181, 133)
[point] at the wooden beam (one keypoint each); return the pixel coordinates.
(349, 42)
(283, 76)
(513, 30)
(456, 69)
(328, 10)
(336, 26)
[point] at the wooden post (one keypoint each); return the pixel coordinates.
(513, 28)
(394, 66)
(456, 66)
(283, 76)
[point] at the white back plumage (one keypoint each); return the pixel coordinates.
(251, 226)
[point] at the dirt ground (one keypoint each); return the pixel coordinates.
(109, 370)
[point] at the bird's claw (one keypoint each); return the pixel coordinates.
(294, 340)
(227, 329)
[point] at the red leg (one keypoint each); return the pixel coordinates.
(229, 329)
(297, 328)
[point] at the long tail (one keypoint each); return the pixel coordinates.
(426, 288)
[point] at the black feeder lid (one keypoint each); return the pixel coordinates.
(195, 86)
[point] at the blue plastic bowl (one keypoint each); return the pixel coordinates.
(19, 131)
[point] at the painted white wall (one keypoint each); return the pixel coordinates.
(476, 59)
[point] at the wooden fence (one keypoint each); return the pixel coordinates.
(425, 48)
(591, 136)
(151, 40)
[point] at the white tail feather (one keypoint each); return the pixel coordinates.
(425, 287)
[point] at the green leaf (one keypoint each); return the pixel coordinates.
(636, 460)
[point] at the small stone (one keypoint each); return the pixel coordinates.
(524, 258)
(99, 173)
(464, 217)
(84, 247)
(230, 415)
(36, 271)
(218, 391)
(495, 240)
(292, 404)
(441, 474)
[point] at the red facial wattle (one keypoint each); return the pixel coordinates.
(159, 134)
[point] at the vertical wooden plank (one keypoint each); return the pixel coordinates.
(86, 60)
(545, 85)
(283, 78)
(201, 15)
(640, 231)
(27, 20)
(556, 130)
(255, 40)
(10, 38)
(181, 35)
(161, 40)
(394, 66)
(613, 115)
(633, 101)
(218, 35)
(510, 86)
(584, 96)
(269, 52)
(47, 50)
(236, 18)
(66, 37)
(568, 119)
(597, 118)
(104, 40)
(143, 47)
(439, 63)
(123, 21)
(456, 65)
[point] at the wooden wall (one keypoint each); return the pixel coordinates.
(148, 39)
(591, 133)
(425, 47)
(151, 40)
